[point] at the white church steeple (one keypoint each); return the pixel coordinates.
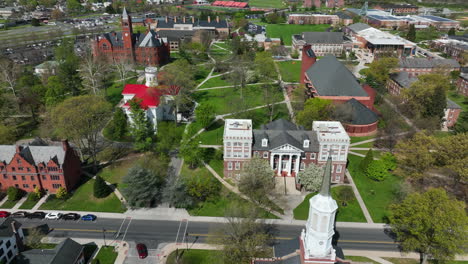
(316, 239)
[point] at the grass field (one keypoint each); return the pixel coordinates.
(359, 139)
(198, 256)
(228, 100)
(376, 195)
(84, 200)
(115, 172)
(106, 255)
(285, 31)
(290, 70)
(360, 259)
(458, 99)
(415, 261)
(216, 82)
(28, 204)
(213, 134)
(266, 3)
(8, 204)
(217, 165)
(350, 213)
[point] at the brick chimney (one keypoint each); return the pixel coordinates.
(193, 20)
(65, 145)
(18, 148)
(308, 59)
(217, 19)
(209, 19)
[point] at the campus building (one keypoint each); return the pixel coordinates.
(398, 8)
(420, 22)
(218, 28)
(418, 66)
(454, 46)
(328, 3)
(312, 19)
(11, 239)
(462, 84)
(150, 98)
(315, 243)
(48, 166)
(144, 48)
(68, 251)
(288, 148)
(322, 43)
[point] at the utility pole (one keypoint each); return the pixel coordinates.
(104, 236)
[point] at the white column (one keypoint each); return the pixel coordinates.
(272, 160)
(289, 165)
(280, 161)
(298, 163)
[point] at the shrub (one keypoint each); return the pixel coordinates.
(295, 54)
(101, 189)
(32, 197)
(389, 160)
(202, 187)
(366, 161)
(377, 170)
(345, 194)
(14, 193)
(61, 193)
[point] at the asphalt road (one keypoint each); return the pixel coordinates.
(152, 233)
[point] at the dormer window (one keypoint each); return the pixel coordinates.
(306, 143)
(264, 142)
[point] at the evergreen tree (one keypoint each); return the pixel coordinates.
(118, 126)
(367, 160)
(376, 170)
(101, 189)
(204, 114)
(451, 32)
(411, 36)
(437, 104)
(141, 128)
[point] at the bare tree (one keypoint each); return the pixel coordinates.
(239, 74)
(123, 69)
(92, 71)
(9, 74)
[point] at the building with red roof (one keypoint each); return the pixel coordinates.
(155, 101)
(231, 4)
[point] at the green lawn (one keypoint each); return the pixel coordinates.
(106, 255)
(376, 195)
(8, 204)
(193, 256)
(458, 99)
(28, 204)
(84, 200)
(115, 172)
(285, 31)
(361, 259)
(290, 70)
(415, 261)
(350, 213)
(217, 207)
(228, 100)
(216, 82)
(222, 45)
(266, 3)
(218, 166)
(365, 145)
(213, 134)
(359, 139)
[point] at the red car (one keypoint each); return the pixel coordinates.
(4, 214)
(142, 251)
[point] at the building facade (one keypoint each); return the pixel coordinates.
(322, 43)
(462, 84)
(288, 148)
(48, 167)
(451, 113)
(218, 28)
(398, 8)
(311, 19)
(145, 48)
(11, 239)
(418, 66)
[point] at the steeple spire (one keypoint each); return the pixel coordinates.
(325, 191)
(124, 13)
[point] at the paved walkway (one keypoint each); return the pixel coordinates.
(20, 202)
(359, 199)
(380, 260)
(4, 200)
(40, 202)
(171, 247)
(231, 86)
(374, 139)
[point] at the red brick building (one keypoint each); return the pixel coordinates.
(462, 84)
(145, 48)
(39, 165)
(451, 113)
(398, 8)
(417, 66)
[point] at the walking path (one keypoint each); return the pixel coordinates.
(235, 190)
(232, 86)
(40, 202)
(19, 203)
(359, 199)
(4, 200)
(380, 260)
(374, 139)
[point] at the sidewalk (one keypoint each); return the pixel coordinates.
(359, 199)
(4, 200)
(19, 203)
(40, 202)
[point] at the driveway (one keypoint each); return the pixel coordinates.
(132, 256)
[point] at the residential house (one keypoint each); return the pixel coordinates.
(11, 239)
(462, 84)
(68, 251)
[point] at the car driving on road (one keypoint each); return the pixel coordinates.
(142, 250)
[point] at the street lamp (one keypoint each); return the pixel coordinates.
(104, 236)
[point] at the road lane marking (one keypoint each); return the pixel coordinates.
(83, 230)
(125, 234)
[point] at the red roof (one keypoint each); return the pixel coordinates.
(149, 96)
(230, 4)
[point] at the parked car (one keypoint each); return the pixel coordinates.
(39, 215)
(88, 217)
(4, 214)
(20, 214)
(71, 216)
(142, 250)
(53, 216)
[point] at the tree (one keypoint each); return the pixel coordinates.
(389, 160)
(81, 120)
(35, 22)
(414, 155)
(100, 188)
(140, 128)
(191, 153)
(118, 127)
(56, 14)
(377, 170)
(379, 70)
(239, 74)
(123, 68)
(31, 93)
(37, 193)
(364, 164)
(61, 193)
(7, 135)
(34, 237)
(9, 74)
(205, 114)
(411, 35)
(202, 187)
(13, 193)
(93, 72)
(314, 109)
(311, 177)
(143, 186)
(67, 70)
(56, 91)
(265, 66)
(345, 194)
(431, 223)
(451, 32)
(460, 127)
(257, 180)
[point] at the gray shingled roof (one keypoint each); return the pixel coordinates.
(198, 23)
(6, 229)
(65, 252)
(358, 27)
(323, 37)
(361, 115)
(427, 63)
(175, 35)
(115, 38)
(452, 105)
(464, 76)
(403, 79)
(34, 154)
(331, 78)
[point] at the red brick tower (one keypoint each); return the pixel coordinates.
(308, 59)
(127, 36)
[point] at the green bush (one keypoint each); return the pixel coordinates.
(101, 189)
(389, 160)
(32, 197)
(14, 193)
(61, 193)
(377, 170)
(367, 160)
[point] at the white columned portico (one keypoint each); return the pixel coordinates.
(280, 163)
(272, 160)
(289, 164)
(298, 163)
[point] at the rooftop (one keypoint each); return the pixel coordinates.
(360, 114)
(403, 79)
(322, 37)
(452, 105)
(6, 228)
(238, 128)
(427, 63)
(378, 37)
(330, 131)
(149, 96)
(68, 251)
(34, 154)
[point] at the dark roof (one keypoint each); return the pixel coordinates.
(6, 229)
(65, 252)
(331, 78)
(173, 35)
(452, 105)
(464, 76)
(286, 247)
(457, 37)
(398, 6)
(323, 37)
(427, 63)
(281, 132)
(198, 23)
(116, 40)
(311, 54)
(361, 115)
(358, 27)
(343, 15)
(403, 79)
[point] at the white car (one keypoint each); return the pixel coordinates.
(53, 216)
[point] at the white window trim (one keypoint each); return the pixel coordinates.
(237, 167)
(229, 165)
(339, 168)
(264, 142)
(313, 156)
(265, 154)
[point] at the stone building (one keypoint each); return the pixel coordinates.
(322, 43)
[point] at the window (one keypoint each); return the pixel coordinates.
(25, 185)
(14, 177)
(229, 165)
(338, 168)
(5, 176)
(33, 178)
(44, 177)
(54, 177)
(265, 155)
(246, 144)
(28, 169)
(8, 244)
(23, 178)
(312, 156)
(19, 161)
(16, 185)
(237, 165)
(34, 186)
(13, 169)
(302, 165)
(338, 177)
(325, 146)
(306, 143)
(56, 186)
(264, 142)
(20, 168)
(228, 144)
